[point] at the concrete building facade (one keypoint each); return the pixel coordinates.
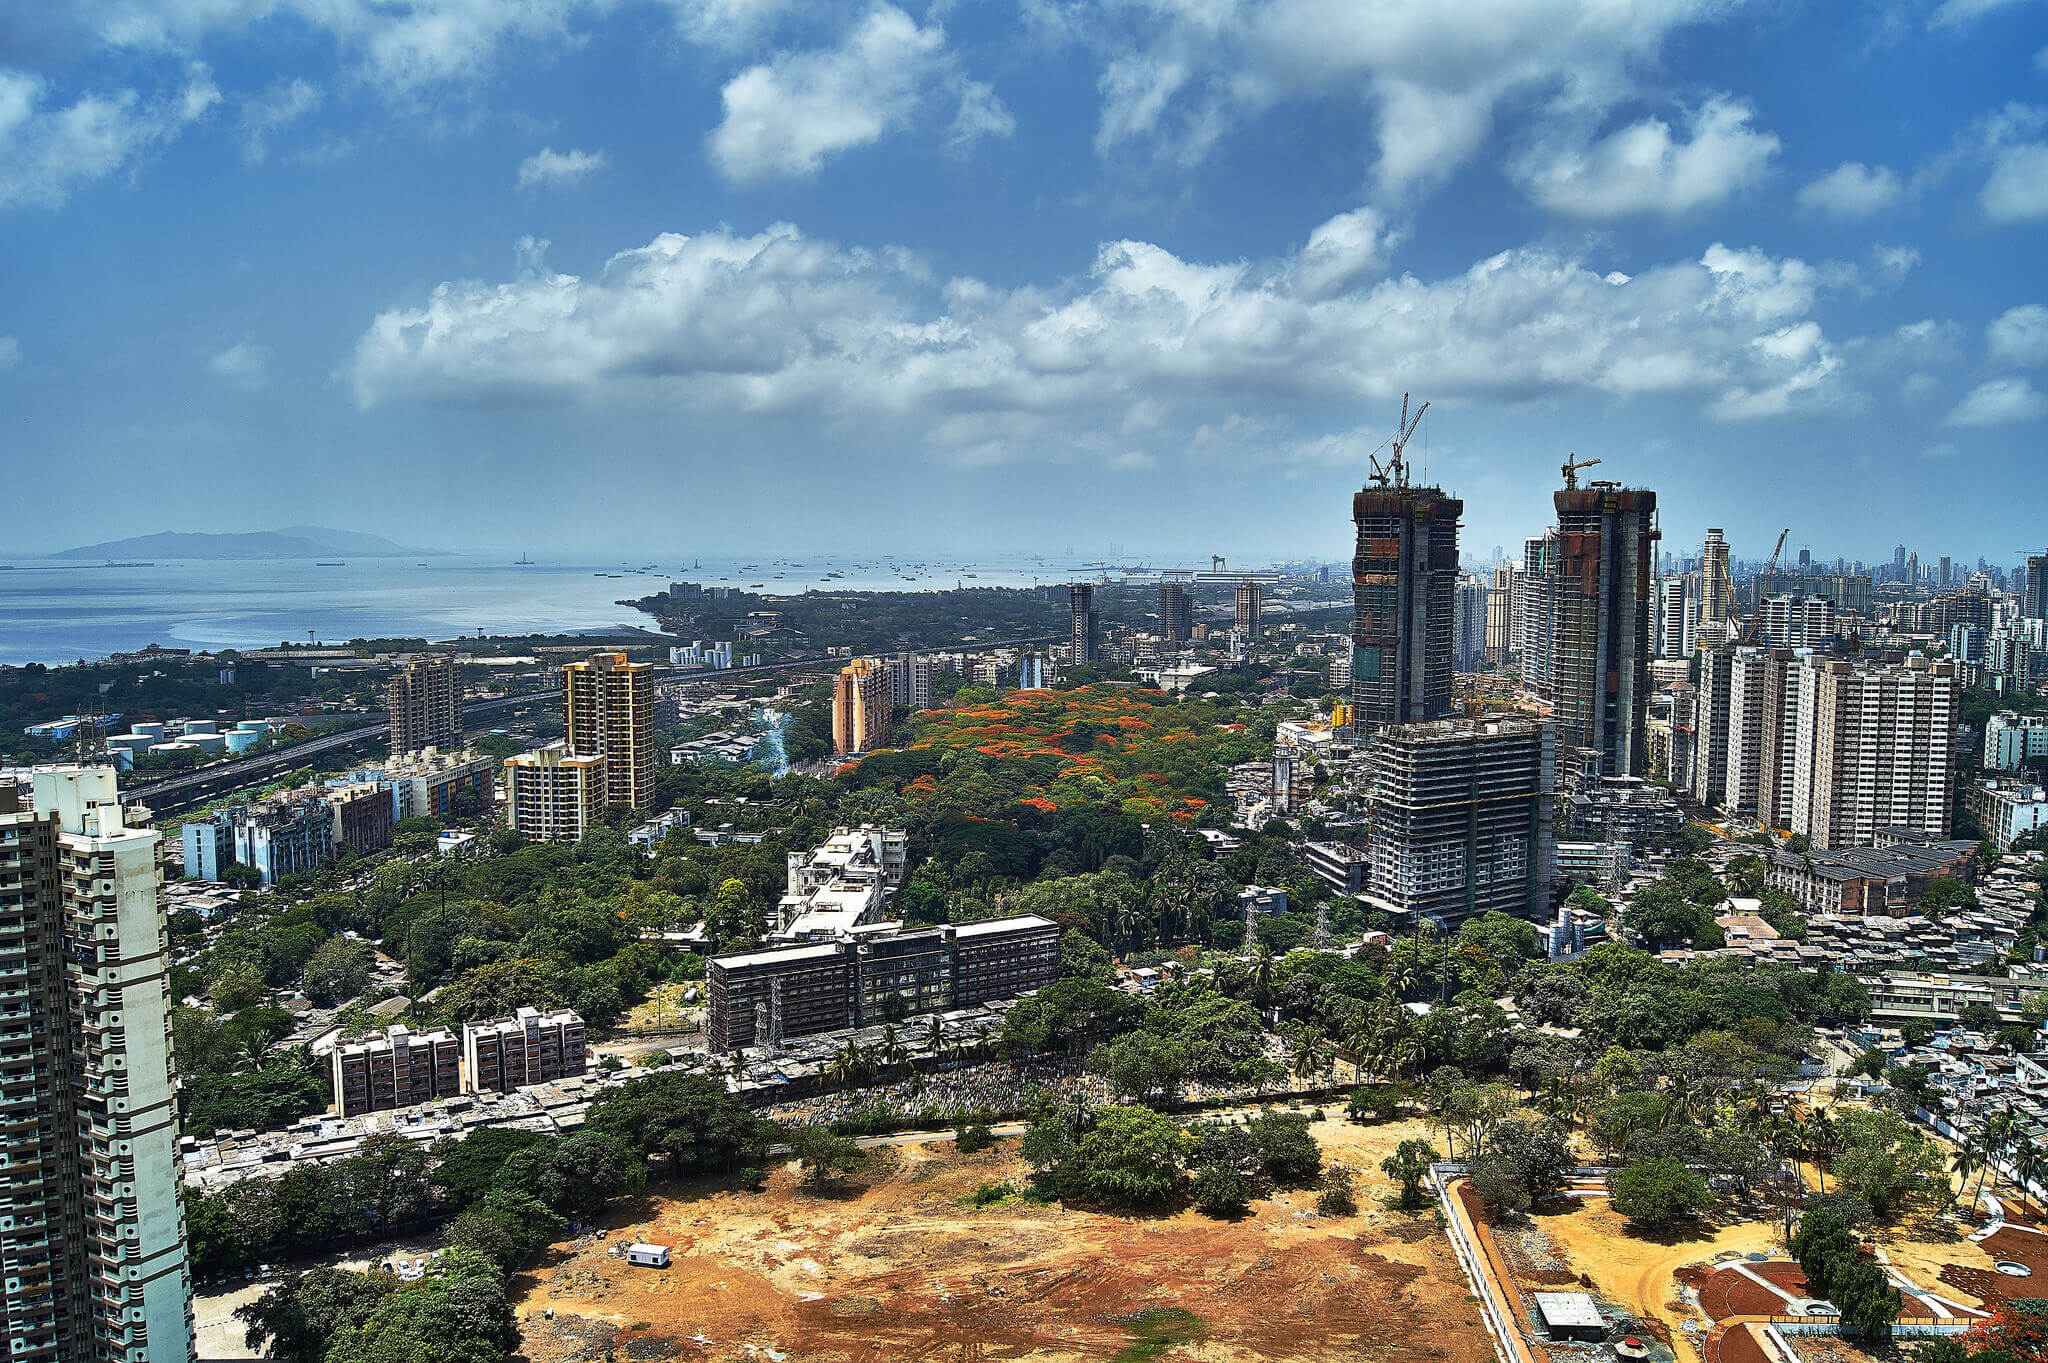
(608, 711)
(93, 1261)
(553, 795)
(1404, 577)
(1876, 749)
(402, 1068)
(425, 703)
(1461, 813)
(1601, 669)
(530, 1047)
(861, 699)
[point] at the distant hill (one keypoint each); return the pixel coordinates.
(297, 541)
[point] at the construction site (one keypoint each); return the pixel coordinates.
(924, 1257)
(1577, 1283)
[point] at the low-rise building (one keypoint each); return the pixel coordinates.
(530, 1047)
(2006, 809)
(1868, 880)
(649, 835)
(402, 1068)
(761, 997)
(1340, 866)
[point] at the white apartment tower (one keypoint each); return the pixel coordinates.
(1876, 749)
(1763, 732)
(92, 1234)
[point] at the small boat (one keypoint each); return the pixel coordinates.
(331, 563)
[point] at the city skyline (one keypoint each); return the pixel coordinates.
(1033, 267)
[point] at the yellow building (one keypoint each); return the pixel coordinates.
(554, 795)
(860, 706)
(608, 712)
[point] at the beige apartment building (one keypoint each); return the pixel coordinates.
(608, 712)
(552, 795)
(1875, 748)
(402, 1068)
(860, 706)
(530, 1047)
(425, 701)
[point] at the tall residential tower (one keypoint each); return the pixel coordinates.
(425, 701)
(92, 1232)
(1404, 580)
(1603, 611)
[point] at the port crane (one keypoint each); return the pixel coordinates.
(1394, 473)
(1572, 465)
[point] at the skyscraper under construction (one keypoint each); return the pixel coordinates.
(1603, 609)
(1404, 586)
(1404, 582)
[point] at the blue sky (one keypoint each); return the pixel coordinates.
(704, 275)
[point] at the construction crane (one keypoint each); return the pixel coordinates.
(1747, 633)
(1572, 465)
(1394, 473)
(1215, 563)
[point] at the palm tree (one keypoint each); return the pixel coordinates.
(890, 1050)
(1968, 1159)
(933, 1043)
(1262, 973)
(1824, 1140)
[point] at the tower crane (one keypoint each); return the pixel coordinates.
(1756, 605)
(1394, 473)
(1572, 465)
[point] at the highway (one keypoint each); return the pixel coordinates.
(196, 787)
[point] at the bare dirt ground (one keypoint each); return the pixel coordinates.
(902, 1265)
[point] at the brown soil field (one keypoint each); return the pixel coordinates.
(902, 1265)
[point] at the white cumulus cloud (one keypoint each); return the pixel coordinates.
(1651, 168)
(1852, 190)
(785, 118)
(49, 148)
(2000, 402)
(551, 169)
(1178, 73)
(2019, 335)
(2018, 188)
(1144, 340)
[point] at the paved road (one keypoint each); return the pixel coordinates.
(178, 792)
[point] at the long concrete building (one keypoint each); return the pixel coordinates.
(887, 972)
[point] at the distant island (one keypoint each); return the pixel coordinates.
(294, 541)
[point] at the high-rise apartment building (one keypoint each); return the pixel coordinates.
(1404, 578)
(608, 712)
(2034, 598)
(425, 701)
(1712, 703)
(1601, 668)
(1763, 733)
(1675, 633)
(1876, 749)
(1535, 624)
(1082, 640)
(1251, 605)
(92, 1232)
(1500, 615)
(1176, 613)
(553, 795)
(1461, 815)
(860, 707)
(1798, 621)
(1717, 588)
(910, 680)
(1468, 624)
(1031, 674)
